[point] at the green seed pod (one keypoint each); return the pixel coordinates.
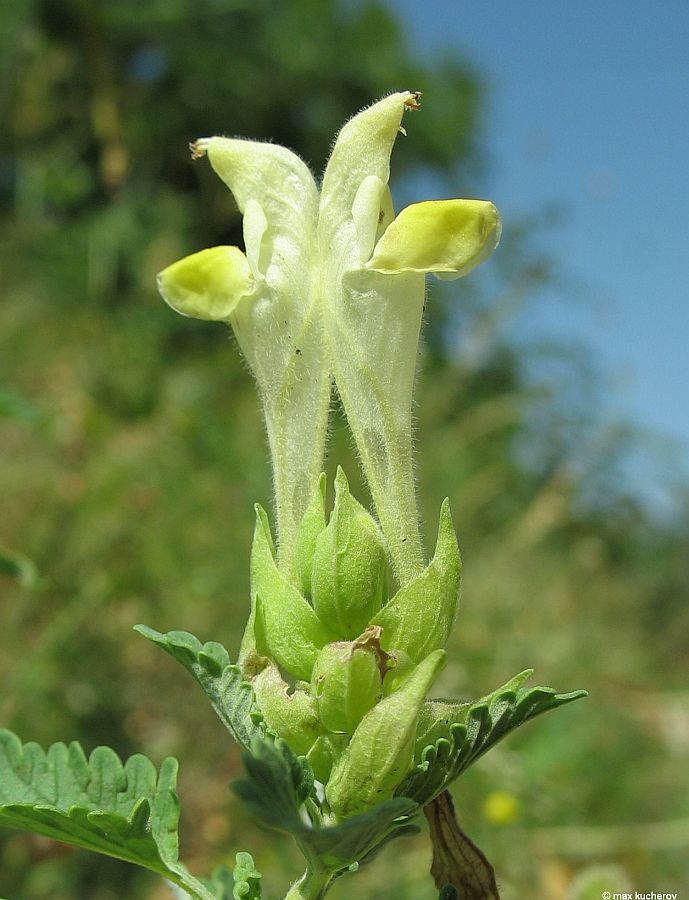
(291, 716)
(348, 575)
(420, 616)
(346, 682)
(311, 525)
(381, 749)
(286, 629)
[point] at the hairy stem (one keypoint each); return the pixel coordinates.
(312, 885)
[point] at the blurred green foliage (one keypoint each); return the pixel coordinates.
(132, 452)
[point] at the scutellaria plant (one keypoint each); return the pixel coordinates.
(329, 695)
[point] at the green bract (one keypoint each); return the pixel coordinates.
(310, 527)
(285, 627)
(347, 682)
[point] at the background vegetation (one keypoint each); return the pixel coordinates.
(132, 451)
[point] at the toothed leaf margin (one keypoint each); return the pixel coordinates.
(486, 722)
(230, 695)
(127, 811)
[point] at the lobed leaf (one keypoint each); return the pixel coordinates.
(123, 810)
(485, 722)
(278, 784)
(223, 683)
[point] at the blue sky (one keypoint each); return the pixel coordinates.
(588, 108)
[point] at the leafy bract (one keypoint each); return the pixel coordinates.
(126, 811)
(482, 725)
(278, 784)
(230, 695)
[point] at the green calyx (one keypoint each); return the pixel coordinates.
(310, 527)
(347, 682)
(348, 573)
(398, 666)
(321, 757)
(292, 716)
(286, 628)
(381, 750)
(419, 618)
(326, 626)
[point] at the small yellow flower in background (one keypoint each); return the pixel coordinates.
(501, 808)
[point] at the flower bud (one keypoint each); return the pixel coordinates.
(420, 616)
(348, 566)
(291, 716)
(286, 628)
(381, 749)
(346, 682)
(311, 525)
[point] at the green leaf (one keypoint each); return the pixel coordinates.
(278, 784)
(230, 695)
(485, 722)
(220, 883)
(244, 883)
(99, 804)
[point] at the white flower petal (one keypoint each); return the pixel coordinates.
(284, 188)
(362, 150)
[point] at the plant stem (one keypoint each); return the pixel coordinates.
(312, 885)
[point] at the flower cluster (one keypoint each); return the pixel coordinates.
(331, 288)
